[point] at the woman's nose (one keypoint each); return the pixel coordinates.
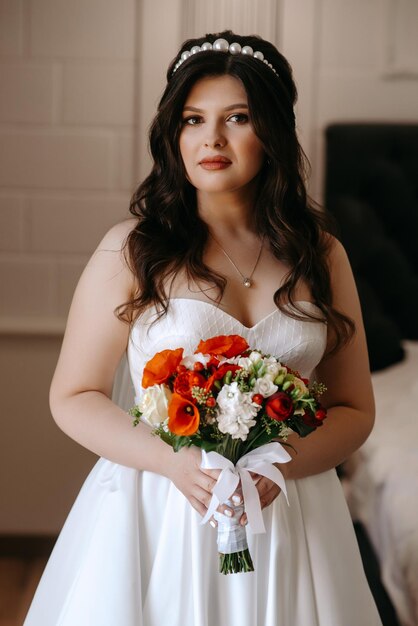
(214, 137)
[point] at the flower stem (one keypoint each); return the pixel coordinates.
(236, 563)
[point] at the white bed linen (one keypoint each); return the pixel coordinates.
(383, 491)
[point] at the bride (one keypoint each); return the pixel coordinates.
(223, 241)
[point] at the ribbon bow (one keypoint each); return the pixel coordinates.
(259, 461)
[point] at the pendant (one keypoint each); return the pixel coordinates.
(247, 282)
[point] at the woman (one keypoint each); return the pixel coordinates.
(224, 241)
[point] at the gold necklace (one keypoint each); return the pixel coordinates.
(246, 280)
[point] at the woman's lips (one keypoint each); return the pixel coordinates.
(217, 163)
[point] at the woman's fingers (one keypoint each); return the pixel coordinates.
(267, 491)
(227, 510)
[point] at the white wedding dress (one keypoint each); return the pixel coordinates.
(133, 552)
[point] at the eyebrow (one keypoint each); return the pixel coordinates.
(239, 105)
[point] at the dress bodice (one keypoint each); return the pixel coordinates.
(298, 344)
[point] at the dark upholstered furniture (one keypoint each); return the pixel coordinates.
(371, 189)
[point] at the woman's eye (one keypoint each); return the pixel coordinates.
(192, 120)
(239, 118)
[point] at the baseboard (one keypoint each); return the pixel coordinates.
(20, 546)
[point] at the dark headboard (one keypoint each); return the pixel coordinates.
(371, 188)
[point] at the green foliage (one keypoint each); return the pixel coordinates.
(136, 414)
(302, 429)
(181, 442)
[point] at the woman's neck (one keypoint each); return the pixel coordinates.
(230, 213)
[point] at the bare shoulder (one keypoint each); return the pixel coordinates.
(110, 255)
(95, 337)
(116, 236)
(340, 272)
(336, 250)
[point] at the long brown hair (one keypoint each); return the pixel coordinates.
(165, 202)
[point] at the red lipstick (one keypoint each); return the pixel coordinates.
(215, 163)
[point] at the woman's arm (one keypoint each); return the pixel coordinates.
(80, 396)
(93, 345)
(346, 374)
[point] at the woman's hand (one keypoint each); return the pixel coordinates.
(195, 483)
(267, 492)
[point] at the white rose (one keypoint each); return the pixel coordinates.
(300, 385)
(153, 404)
(265, 386)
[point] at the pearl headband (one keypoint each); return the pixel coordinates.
(222, 45)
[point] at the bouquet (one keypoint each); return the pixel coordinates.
(231, 401)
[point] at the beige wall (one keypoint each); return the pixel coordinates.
(66, 143)
(79, 84)
(67, 124)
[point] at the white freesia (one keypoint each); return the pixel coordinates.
(236, 411)
(265, 386)
(255, 356)
(153, 404)
(189, 360)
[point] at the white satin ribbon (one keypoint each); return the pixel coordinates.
(259, 461)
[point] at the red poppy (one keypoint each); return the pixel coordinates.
(223, 345)
(163, 365)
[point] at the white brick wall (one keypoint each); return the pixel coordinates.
(93, 29)
(68, 76)
(67, 73)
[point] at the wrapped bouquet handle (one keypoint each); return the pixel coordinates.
(259, 461)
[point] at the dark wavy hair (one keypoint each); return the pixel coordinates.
(166, 206)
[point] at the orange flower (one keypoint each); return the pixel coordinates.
(225, 345)
(163, 365)
(184, 382)
(183, 416)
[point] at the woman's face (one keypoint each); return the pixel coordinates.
(220, 151)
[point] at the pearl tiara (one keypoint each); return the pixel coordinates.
(222, 45)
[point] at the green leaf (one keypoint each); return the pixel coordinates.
(300, 427)
(180, 442)
(208, 446)
(166, 437)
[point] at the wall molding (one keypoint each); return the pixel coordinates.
(32, 326)
(400, 54)
(245, 17)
